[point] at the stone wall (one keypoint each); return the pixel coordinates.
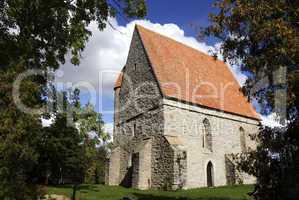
(116, 116)
(140, 116)
(230, 168)
(145, 115)
(114, 167)
(139, 91)
(125, 173)
(142, 164)
(179, 168)
(162, 163)
(186, 121)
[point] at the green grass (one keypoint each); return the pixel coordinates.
(100, 192)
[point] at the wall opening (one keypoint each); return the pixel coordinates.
(242, 139)
(134, 130)
(135, 169)
(210, 174)
(207, 135)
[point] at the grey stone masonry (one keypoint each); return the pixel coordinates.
(166, 144)
(186, 121)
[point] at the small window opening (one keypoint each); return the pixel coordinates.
(134, 130)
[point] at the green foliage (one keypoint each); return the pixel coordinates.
(263, 37)
(70, 146)
(41, 32)
(18, 158)
(274, 163)
(90, 125)
(37, 35)
(19, 136)
(61, 153)
(90, 121)
(96, 169)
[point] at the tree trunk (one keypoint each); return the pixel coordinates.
(74, 191)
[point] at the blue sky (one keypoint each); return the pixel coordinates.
(182, 13)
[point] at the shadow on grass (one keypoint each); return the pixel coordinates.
(156, 197)
(81, 188)
(62, 186)
(86, 188)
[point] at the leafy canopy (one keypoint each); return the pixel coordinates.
(37, 34)
(41, 32)
(260, 37)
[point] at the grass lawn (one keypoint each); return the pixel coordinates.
(100, 192)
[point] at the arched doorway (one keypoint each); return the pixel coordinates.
(210, 175)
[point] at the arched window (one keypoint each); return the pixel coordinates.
(242, 139)
(207, 135)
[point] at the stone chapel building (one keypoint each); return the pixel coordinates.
(179, 115)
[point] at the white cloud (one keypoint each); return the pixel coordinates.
(105, 51)
(47, 122)
(271, 120)
(108, 127)
(238, 74)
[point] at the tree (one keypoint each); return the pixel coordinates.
(90, 126)
(100, 164)
(252, 35)
(86, 126)
(37, 35)
(70, 153)
(61, 153)
(60, 148)
(262, 37)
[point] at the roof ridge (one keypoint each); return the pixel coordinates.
(179, 42)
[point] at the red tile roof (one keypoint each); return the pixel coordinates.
(188, 75)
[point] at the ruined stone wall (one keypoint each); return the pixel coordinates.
(124, 173)
(114, 167)
(142, 166)
(179, 168)
(186, 121)
(162, 163)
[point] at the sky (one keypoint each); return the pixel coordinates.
(107, 50)
(181, 14)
